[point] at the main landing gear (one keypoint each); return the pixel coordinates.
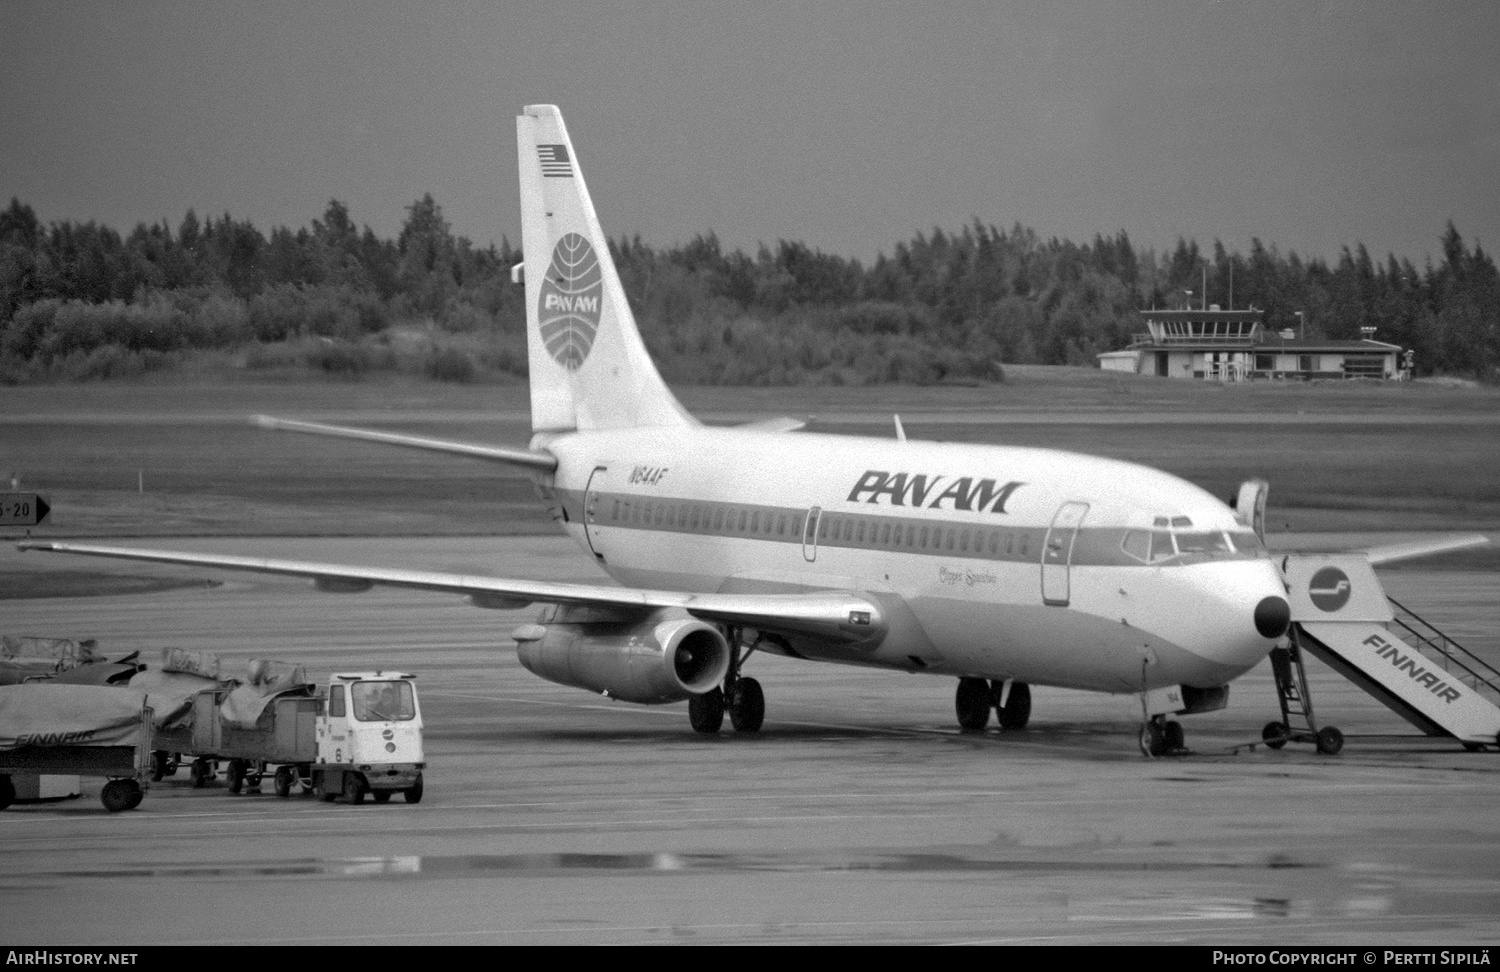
(740, 696)
(976, 697)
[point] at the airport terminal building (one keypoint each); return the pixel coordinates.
(1233, 345)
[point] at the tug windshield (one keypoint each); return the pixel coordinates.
(383, 701)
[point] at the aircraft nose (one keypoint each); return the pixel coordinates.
(1273, 615)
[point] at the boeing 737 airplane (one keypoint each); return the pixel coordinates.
(1000, 567)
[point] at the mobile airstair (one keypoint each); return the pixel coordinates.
(1342, 616)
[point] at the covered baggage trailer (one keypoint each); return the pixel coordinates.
(86, 730)
(283, 736)
(195, 735)
(186, 690)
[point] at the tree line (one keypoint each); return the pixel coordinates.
(80, 300)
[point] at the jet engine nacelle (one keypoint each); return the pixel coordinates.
(651, 661)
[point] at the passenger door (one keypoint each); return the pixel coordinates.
(810, 534)
(1057, 553)
(593, 510)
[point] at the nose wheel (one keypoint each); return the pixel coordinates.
(1161, 737)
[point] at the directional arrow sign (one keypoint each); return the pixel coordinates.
(23, 509)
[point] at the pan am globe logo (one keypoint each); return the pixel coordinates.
(570, 302)
(1329, 589)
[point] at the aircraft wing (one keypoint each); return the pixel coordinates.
(1392, 552)
(843, 616)
(529, 458)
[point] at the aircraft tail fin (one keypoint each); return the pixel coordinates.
(589, 367)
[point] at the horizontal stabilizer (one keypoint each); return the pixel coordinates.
(517, 457)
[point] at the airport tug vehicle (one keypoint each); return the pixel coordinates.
(368, 739)
(360, 735)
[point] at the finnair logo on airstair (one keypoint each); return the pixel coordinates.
(1420, 674)
(1329, 589)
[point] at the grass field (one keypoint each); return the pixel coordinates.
(179, 458)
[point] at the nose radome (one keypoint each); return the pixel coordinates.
(1273, 615)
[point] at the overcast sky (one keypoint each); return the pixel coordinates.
(850, 126)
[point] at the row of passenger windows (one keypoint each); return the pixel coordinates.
(1171, 538)
(858, 531)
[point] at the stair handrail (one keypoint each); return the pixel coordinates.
(1449, 649)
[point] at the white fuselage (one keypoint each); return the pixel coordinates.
(1042, 566)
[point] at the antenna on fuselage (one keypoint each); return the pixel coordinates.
(900, 432)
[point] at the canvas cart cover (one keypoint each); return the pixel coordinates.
(70, 715)
(268, 679)
(23, 657)
(170, 694)
(99, 673)
(185, 660)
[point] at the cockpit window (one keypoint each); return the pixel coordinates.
(1202, 541)
(1246, 542)
(1174, 539)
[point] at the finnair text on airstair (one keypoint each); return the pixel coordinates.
(1408, 664)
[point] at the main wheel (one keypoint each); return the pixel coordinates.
(116, 795)
(1330, 741)
(7, 792)
(747, 710)
(972, 703)
(201, 772)
(234, 775)
(381, 796)
(414, 792)
(159, 761)
(706, 711)
(286, 777)
(354, 788)
(1017, 710)
(1274, 734)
